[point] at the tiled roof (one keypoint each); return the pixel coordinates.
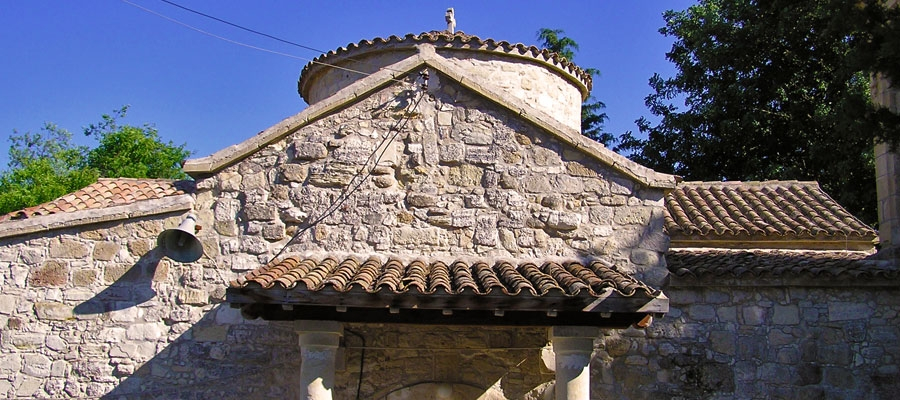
(106, 192)
(758, 263)
(458, 39)
(352, 289)
(772, 210)
(393, 276)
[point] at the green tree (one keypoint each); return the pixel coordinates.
(46, 165)
(592, 115)
(42, 167)
(771, 90)
(133, 152)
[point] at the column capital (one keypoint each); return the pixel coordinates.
(319, 333)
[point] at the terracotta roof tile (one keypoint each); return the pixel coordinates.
(394, 277)
(758, 210)
(106, 192)
(699, 263)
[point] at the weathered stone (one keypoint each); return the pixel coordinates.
(211, 333)
(444, 118)
(563, 221)
(786, 315)
(414, 199)
(8, 304)
(754, 315)
(68, 248)
(408, 236)
(140, 247)
(536, 184)
(480, 155)
(84, 277)
(723, 342)
(294, 172)
(576, 168)
(52, 273)
(486, 230)
(843, 311)
(192, 297)
(463, 218)
(53, 311)
(273, 232)
(260, 212)
(331, 175)
(148, 331)
(309, 151)
(452, 153)
(384, 181)
(230, 181)
(465, 175)
(105, 251)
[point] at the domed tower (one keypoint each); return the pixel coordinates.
(537, 77)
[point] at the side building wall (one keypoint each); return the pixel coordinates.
(751, 342)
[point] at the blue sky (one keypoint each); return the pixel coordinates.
(69, 62)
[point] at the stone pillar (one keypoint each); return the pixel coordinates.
(319, 341)
(887, 171)
(572, 348)
(887, 168)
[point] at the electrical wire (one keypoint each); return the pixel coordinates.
(345, 194)
(241, 27)
(273, 37)
(249, 46)
(362, 359)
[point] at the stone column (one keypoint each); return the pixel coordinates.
(572, 348)
(319, 341)
(887, 168)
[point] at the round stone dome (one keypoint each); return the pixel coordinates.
(540, 78)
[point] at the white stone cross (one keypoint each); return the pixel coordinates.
(451, 21)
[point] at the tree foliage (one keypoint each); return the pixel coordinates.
(592, 115)
(133, 152)
(47, 164)
(42, 167)
(771, 90)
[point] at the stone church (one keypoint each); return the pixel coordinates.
(434, 226)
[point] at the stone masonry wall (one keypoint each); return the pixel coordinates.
(758, 343)
(463, 179)
(98, 311)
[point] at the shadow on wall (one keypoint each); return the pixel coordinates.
(221, 356)
(132, 288)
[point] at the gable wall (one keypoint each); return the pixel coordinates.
(465, 178)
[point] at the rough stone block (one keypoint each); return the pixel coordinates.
(193, 297)
(149, 331)
(140, 247)
(786, 315)
(8, 304)
(480, 155)
(309, 151)
(260, 212)
(273, 232)
(702, 312)
(414, 199)
(84, 277)
(452, 153)
(105, 251)
(294, 172)
(52, 273)
(50, 311)
(69, 248)
(753, 315)
(465, 175)
(844, 311)
(331, 175)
